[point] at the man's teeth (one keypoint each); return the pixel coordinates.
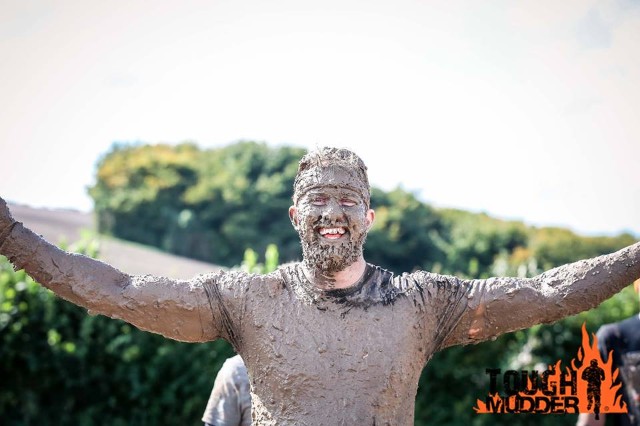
(325, 231)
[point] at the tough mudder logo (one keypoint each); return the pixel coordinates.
(589, 385)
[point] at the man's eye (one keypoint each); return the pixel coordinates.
(319, 201)
(347, 202)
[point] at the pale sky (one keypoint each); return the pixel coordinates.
(526, 110)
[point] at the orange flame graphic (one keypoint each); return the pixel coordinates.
(559, 396)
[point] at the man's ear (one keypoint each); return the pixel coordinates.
(370, 218)
(293, 216)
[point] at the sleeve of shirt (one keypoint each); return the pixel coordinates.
(196, 310)
(470, 311)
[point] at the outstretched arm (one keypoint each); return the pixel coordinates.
(176, 309)
(488, 308)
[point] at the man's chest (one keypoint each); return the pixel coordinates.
(317, 341)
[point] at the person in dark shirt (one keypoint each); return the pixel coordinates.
(622, 340)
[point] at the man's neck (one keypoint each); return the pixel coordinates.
(336, 280)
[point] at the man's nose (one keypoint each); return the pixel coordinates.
(333, 210)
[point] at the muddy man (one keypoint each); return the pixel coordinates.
(332, 339)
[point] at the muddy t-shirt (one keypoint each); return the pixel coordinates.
(353, 356)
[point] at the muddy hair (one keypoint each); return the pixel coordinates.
(328, 156)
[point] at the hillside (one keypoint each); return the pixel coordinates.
(58, 226)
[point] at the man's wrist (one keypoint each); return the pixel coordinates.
(6, 232)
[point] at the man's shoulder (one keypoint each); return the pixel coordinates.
(234, 365)
(234, 372)
(422, 281)
(239, 283)
(287, 272)
(289, 267)
(616, 328)
(631, 323)
(610, 334)
(432, 279)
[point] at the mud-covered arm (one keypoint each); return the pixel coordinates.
(483, 309)
(176, 309)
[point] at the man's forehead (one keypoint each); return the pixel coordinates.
(342, 176)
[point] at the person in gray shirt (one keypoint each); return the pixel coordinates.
(230, 400)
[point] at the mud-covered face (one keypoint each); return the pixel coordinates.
(332, 221)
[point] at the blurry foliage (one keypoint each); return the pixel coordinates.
(405, 233)
(251, 263)
(556, 246)
(210, 205)
(473, 242)
(226, 205)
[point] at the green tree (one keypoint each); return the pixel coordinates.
(404, 234)
(472, 242)
(555, 246)
(206, 204)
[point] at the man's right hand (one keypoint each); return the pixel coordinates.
(6, 220)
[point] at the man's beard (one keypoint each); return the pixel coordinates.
(329, 258)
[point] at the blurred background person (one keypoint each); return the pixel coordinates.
(230, 400)
(623, 338)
